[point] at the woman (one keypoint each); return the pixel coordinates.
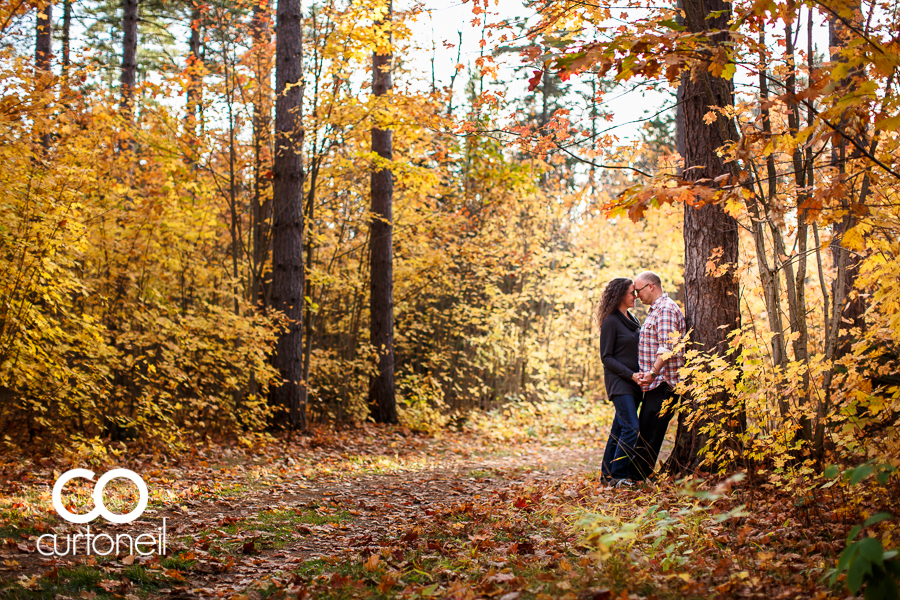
(619, 335)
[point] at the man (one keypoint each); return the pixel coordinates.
(659, 364)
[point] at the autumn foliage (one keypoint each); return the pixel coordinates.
(137, 226)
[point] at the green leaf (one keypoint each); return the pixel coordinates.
(431, 589)
(857, 572)
(832, 471)
(860, 473)
(672, 24)
(878, 518)
(881, 587)
(891, 565)
(871, 549)
(844, 560)
(853, 533)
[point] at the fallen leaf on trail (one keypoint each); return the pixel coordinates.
(372, 562)
(510, 596)
(128, 560)
(24, 548)
(249, 547)
(386, 583)
(29, 583)
(110, 585)
(596, 594)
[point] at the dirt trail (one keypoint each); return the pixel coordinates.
(379, 507)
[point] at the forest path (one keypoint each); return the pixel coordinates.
(371, 508)
(349, 517)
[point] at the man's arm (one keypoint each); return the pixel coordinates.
(669, 328)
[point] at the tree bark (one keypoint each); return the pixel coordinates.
(847, 304)
(129, 55)
(382, 401)
(711, 302)
(261, 208)
(66, 38)
(43, 52)
(43, 36)
(194, 63)
(287, 231)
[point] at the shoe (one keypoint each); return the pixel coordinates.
(624, 483)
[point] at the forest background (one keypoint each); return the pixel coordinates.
(196, 194)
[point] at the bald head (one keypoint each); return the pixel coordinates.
(648, 287)
(649, 277)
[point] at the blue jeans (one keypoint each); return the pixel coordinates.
(619, 453)
(653, 425)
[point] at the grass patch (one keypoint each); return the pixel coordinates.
(178, 562)
(279, 527)
(67, 582)
(144, 577)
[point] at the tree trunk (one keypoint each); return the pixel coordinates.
(261, 208)
(846, 301)
(382, 403)
(711, 302)
(66, 38)
(129, 54)
(287, 230)
(194, 63)
(43, 51)
(43, 36)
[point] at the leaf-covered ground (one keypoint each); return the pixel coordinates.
(509, 507)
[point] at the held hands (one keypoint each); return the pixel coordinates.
(644, 378)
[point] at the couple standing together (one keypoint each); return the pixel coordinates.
(640, 368)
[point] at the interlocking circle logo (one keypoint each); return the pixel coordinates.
(99, 507)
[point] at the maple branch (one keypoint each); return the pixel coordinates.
(849, 25)
(12, 14)
(865, 152)
(602, 166)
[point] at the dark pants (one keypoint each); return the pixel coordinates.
(619, 454)
(653, 425)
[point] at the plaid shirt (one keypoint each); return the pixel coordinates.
(663, 327)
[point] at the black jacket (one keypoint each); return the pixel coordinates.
(619, 337)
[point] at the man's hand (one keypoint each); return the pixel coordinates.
(646, 378)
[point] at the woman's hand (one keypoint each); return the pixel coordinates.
(637, 377)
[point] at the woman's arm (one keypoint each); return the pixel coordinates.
(607, 348)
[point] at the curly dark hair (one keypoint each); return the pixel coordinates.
(611, 299)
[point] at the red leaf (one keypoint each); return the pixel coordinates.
(535, 81)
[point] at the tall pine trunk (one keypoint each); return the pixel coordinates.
(287, 399)
(129, 55)
(195, 88)
(66, 38)
(43, 39)
(711, 302)
(261, 204)
(382, 402)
